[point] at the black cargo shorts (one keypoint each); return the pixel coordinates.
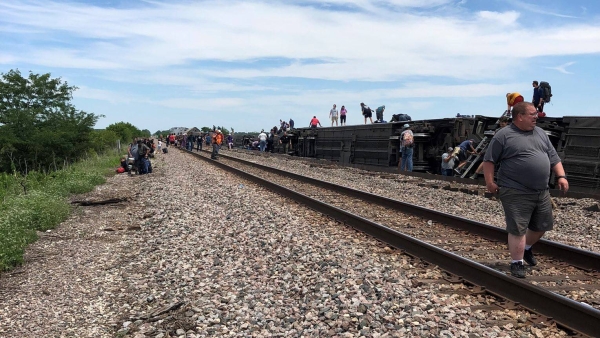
(526, 211)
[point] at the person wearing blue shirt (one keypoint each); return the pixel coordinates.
(538, 97)
(466, 149)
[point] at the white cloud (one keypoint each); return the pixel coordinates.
(562, 68)
(222, 55)
(6, 58)
(365, 46)
(539, 9)
(110, 96)
(506, 18)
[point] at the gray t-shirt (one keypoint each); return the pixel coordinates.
(525, 158)
(449, 164)
(402, 142)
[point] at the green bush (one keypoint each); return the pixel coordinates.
(45, 205)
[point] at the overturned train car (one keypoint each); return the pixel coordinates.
(376, 146)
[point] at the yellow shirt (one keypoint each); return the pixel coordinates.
(510, 99)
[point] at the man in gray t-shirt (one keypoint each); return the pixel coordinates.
(525, 156)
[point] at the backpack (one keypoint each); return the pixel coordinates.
(408, 140)
(546, 91)
(400, 118)
(134, 151)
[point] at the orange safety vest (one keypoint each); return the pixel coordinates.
(218, 138)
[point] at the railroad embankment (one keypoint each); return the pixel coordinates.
(191, 251)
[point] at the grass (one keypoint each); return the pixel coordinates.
(38, 202)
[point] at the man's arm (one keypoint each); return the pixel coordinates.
(563, 184)
(488, 173)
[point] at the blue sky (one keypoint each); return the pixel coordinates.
(247, 64)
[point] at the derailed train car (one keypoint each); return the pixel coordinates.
(376, 146)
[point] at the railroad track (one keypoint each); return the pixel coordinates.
(562, 288)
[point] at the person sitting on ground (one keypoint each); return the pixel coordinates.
(448, 162)
(511, 100)
(314, 122)
(124, 165)
(367, 112)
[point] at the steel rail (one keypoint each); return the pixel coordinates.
(574, 256)
(564, 311)
(574, 191)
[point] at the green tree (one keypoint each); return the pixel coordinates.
(39, 126)
(125, 130)
(164, 133)
(103, 139)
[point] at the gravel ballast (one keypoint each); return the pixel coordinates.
(576, 221)
(199, 252)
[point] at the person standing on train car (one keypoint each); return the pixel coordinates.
(314, 122)
(333, 115)
(526, 156)
(511, 100)
(367, 112)
(343, 113)
(538, 97)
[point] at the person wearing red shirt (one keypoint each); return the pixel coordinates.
(314, 122)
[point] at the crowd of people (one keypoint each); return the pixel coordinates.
(266, 141)
(341, 115)
(139, 153)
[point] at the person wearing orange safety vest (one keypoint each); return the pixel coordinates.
(217, 140)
